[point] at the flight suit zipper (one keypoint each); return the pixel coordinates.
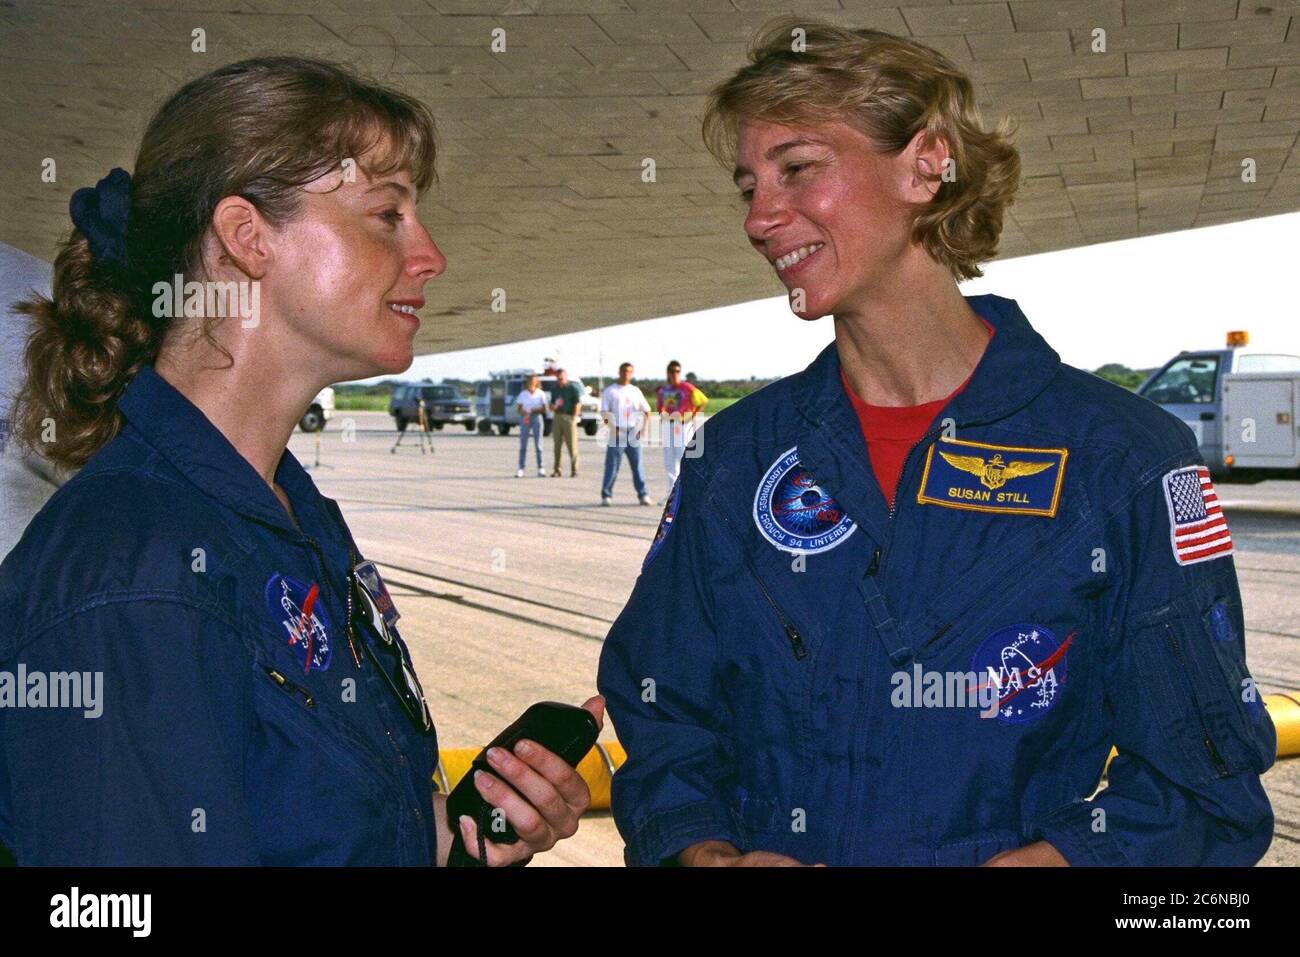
(791, 632)
(320, 564)
(878, 555)
(1220, 766)
(293, 689)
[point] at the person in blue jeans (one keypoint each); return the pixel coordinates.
(627, 416)
(532, 405)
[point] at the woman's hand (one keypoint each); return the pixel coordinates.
(723, 854)
(1038, 854)
(554, 796)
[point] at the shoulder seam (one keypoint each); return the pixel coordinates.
(121, 596)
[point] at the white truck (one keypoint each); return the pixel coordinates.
(495, 401)
(1243, 405)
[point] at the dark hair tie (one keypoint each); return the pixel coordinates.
(100, 214)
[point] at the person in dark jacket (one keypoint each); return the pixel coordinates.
(197, 664)
(904, 603)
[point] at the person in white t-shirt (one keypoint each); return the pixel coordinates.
(532, 404)
(627, 417)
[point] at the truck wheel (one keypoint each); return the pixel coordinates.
(503, 428)
(438, 425)
(469, 426)
(313, 420)
(590, 427)
(485, 427)
(400, 423)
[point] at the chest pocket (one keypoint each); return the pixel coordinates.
(1193, 655)
(971, 572)
(322, 711)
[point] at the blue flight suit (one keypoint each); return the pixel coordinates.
(1054, 543)
(237, 725)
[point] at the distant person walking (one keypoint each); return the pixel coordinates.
(532, 405)
(627, 416)
(566, 407)
(678, 402)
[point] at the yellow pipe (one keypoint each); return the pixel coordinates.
(598, 767)
(1284, 710)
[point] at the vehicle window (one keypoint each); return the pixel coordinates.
(1268, 363)
(431, 392)
(1189, 380)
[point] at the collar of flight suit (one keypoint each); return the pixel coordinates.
(1016, 366)
(185, 437)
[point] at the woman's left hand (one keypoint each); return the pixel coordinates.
(1038, 854)
(553, 798)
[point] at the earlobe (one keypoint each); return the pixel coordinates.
(241, 234)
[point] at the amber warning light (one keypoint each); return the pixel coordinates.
(1237, 338)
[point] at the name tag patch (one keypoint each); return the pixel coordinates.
(368, 577)
(1012, 480)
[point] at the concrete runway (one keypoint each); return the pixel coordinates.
(508, 586)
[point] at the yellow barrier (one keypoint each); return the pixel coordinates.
(598, 767)
(1284, 709)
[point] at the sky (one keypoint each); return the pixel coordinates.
(1136, 302)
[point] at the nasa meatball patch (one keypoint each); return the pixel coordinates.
(795, 513)
(1026, 664)
(301, 611)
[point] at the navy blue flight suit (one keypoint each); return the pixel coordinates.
(1055, 540)
(242, 721)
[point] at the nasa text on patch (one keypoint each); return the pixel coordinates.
(1198, 531)
(1009, 479)
(300, 610)
(1027, 666)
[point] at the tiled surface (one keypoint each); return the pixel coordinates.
(541, 191)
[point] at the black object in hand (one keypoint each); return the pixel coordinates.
(563, 729)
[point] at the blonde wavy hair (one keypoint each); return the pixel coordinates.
(889, 88)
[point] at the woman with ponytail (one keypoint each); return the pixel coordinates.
(210, 672)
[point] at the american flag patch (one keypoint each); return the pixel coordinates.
(1198, 530)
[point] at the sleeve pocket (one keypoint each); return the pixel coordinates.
(1192, 656)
